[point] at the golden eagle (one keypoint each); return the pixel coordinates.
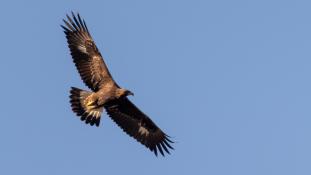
(106, 93)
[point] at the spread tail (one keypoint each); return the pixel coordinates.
(84, 106)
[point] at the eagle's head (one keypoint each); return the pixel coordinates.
(124, 92)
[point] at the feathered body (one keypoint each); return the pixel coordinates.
(106, 93)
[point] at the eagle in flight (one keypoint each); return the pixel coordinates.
(106, 93)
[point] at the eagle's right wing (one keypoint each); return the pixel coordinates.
(85, 54)
(138, 125)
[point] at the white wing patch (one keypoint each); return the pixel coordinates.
(143, 131)
(82, 48)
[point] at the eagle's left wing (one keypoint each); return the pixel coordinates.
(139, 126)
(86, 56)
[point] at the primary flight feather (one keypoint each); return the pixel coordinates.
(106, 93)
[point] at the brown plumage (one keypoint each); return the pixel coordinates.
(106, 94)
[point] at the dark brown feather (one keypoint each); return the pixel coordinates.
(87, 58)
(133, 122)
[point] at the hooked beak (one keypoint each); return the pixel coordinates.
(130, 93)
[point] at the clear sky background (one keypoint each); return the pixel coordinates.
(230, 81)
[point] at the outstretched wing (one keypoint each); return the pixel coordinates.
(139, 126)
(85, 54)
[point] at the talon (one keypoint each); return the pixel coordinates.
(90, 105)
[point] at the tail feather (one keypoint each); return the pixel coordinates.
(80, 106)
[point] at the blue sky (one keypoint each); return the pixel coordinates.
(228, 80)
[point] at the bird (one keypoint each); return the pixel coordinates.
(105, 93)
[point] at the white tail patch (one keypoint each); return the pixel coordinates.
(95, 112)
